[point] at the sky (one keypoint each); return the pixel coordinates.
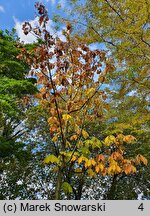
(14, 12)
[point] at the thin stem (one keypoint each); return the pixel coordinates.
(57, 108)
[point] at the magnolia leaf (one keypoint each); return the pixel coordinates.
(85, 134)
(129, 139)
(119, 139)
(128, 169)
(54, 139)
(96, 143)
(73, 158)
(84, 150)
(66, 187)
(81, 159)
(66, 117)
(109, 140)
(63, 153)
(101, 167)
(111, 169)
(116, 156)
(74, 137)
(53, 129)
(118, 169)
(104, 172)
(90, 91)
(52, 120)
(97, 169)
(79, 143)
(88, 143)
(51, 159)
(100, 157)
(78, 171)
(90, 173)
(93, 162)
(88, 163)
(140, 158)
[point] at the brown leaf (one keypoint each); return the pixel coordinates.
(41, 19)
(100, 157)
(69, 27)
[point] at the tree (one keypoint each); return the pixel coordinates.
(124, 31)
(119, 25)
(13, 87)
(70, 77)
(15, 90)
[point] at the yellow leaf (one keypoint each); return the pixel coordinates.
(54, 139)
(88, 163)
(118, 169)
(90, 172)
(53, 111)
(51, 159)
(97, 169)
(77, 129)
(73, 158)
(96, 143)
(63, 153)
(52, 120)
(90, 91)
(78, 171)
(129, 139)
(66, 117)
(69, 90)
(80, 159)
(101, 167)
(133, 169)
(93, 162)
(109, 140)
(85, 134)
(79, 144)
(73, 137)
(109, 170)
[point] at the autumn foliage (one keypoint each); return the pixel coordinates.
(70, 78)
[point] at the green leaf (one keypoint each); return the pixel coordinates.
(85, 151)
(96, 143)
(51, 159)
(109, 140)
(67, 188)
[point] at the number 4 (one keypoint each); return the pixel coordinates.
(141, 207)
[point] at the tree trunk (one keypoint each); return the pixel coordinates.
(112, 190)
(58, 185)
